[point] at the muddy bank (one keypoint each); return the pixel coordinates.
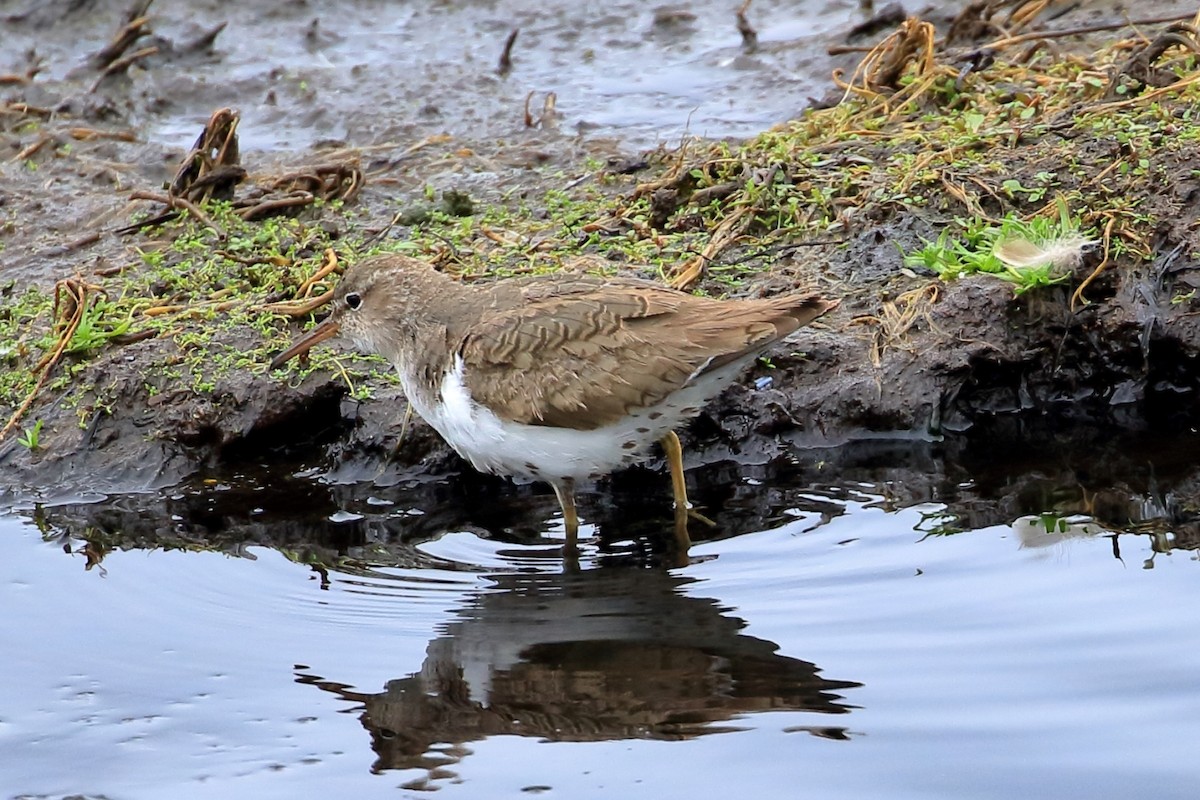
(908, 353)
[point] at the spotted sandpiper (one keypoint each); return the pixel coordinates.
(555, 378)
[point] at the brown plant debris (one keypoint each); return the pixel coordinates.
(979, 20)
(749, 35)
(212, 171)
(212, 168)
(134, 26)
(889, 60)
(986, 133)
(505, 65)
(72, 296)
(1142, 67)
(33, 67)
(549, 118)
(306, 302)
(897, 317)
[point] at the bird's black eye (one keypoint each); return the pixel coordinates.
(353, 300)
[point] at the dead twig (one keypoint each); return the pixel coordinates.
(134, 27)
(71, 298)
(880, 71)
(215, 147)
(175, 203)
(749, 35)
(1145, 97)
(1025, 13)
(268, 207)
(299, 308)
(216, 181)
(1140, 66)
(122, 64)
(91, 134)
(725, 234)
(35, 66)
(25, 109)
(330, 265)
(304, 304)
(1009, 41)
(83, 241)
(205, 40)
(191, 310)
(211, 170)
(335, 181)
(1077, 295)
(505, 65)
(671, 177)
(549, 118)
(31, 149)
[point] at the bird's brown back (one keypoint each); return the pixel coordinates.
(581, 352)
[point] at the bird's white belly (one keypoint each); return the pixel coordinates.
(544, 452)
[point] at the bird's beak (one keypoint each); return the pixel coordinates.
(326, 330)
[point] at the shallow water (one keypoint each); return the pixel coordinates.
(851, 646)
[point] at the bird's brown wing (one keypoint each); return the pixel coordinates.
(584, 359)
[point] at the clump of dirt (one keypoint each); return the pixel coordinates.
(157, 368)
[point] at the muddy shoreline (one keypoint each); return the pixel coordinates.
(1126, 360)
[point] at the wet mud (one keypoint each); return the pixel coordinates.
(1088, 481)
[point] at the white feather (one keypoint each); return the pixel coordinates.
(1063, 253)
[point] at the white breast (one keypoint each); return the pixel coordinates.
(542, 452)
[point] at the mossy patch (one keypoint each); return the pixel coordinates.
(204, 298)
(953, 146)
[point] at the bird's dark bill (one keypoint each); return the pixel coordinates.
(326, 330)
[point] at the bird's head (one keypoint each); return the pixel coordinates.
(377, 306)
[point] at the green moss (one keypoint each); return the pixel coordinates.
(24, 324)
(199, 289)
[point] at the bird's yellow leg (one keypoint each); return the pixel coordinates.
(683, 539)
(395, 452)
(565, 492)
(674, 450)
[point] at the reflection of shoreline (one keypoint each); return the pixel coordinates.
(599, 655)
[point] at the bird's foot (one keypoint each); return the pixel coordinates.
(696, 515)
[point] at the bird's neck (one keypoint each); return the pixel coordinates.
(429, 319)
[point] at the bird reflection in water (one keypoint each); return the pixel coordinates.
(599, 655)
